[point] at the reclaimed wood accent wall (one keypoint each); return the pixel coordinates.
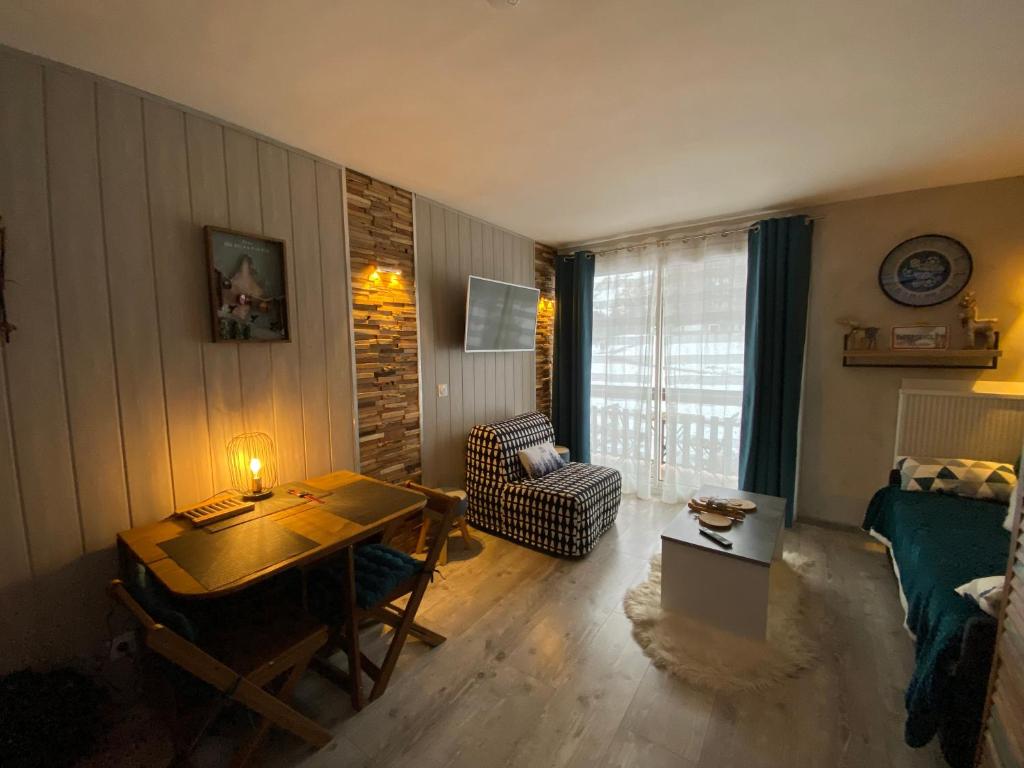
(544, 269)
(482, 386)
(380, 229)
(115, 405)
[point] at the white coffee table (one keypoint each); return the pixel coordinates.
(726, 588)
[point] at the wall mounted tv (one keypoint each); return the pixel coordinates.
(500, 317)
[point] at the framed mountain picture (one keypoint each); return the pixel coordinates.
(248, 286)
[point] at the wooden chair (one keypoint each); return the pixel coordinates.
(242, 661)
(357, 605)
(433, 515)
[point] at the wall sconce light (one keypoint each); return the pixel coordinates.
(252, 465)
(375, 276)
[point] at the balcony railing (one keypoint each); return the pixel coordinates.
(693, 445)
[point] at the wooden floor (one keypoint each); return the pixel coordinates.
(540, 669)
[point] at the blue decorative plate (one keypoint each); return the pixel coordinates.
(925, 270)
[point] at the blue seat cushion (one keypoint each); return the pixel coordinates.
(379, 570)
(158, 603)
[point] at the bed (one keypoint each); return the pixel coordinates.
(938, 542)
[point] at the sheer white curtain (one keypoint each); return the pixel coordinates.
(667, 374)
(703, 314)
(623, 370)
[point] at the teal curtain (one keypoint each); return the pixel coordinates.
(778, 279)
(574, 318)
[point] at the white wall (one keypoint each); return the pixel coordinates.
(115, 406)
(482, 386)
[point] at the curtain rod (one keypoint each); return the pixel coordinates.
(677, 239)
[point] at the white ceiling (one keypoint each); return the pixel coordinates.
(567, 120)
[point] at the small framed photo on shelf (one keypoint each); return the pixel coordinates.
(920, 337)
(248, 286)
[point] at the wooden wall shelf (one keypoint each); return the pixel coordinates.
(987, 359)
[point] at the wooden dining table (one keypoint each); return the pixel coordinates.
(312, 519)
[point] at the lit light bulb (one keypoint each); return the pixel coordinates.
(375, 275)
(255, 465)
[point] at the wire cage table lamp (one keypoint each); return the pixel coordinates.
(252, 465)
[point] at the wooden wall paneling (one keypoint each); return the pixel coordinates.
(428, 337)
(506, 359)
(478, 359)
(284, 356)
(133, 301)
(336, 318)
(455, 461)
(442, 345)
(20, 91)
(308, 314)
(245, 214)
(183, 309)
(491, 373)
(38, 506)
(209, 199)
(458, 307)
(83, 301)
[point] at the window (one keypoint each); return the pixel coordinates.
(667, 369)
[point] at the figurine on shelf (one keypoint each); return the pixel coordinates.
(974, 326)
(860, 336)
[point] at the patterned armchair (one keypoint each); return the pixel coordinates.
(564, 512)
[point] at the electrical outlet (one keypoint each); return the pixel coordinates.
(442, 390)
(122, 645)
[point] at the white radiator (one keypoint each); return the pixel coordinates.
(954, 419)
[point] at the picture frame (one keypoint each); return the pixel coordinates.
(248, 286)
(920, 336)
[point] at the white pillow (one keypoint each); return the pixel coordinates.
(987, 592)
(540, 460)
(1015, 501)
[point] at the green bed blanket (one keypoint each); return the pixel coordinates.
(938, 543)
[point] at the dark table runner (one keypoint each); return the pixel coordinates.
(365, 501)
(226, 556)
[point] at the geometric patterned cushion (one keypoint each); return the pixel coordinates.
(991, 480)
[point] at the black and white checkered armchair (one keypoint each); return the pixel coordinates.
(564, 512)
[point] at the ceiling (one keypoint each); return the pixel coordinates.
(567, 120)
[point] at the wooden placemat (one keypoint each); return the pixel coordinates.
(232, 554)
(365, 501)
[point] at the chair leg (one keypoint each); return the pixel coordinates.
(401, 633)
(352, 635)
(284, 693)
(422, 541)
(467, 539)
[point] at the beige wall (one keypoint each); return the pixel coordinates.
(849, 415)
(482, 386)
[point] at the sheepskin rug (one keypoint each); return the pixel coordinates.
(717, 660)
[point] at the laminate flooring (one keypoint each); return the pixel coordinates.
(540, 669)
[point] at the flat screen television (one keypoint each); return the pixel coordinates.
(500, 317)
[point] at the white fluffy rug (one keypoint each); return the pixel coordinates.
(717, 660)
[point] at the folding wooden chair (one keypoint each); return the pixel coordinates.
(459, 521)
(241, 661)
(371, 578)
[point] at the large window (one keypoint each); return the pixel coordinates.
(667, 371)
